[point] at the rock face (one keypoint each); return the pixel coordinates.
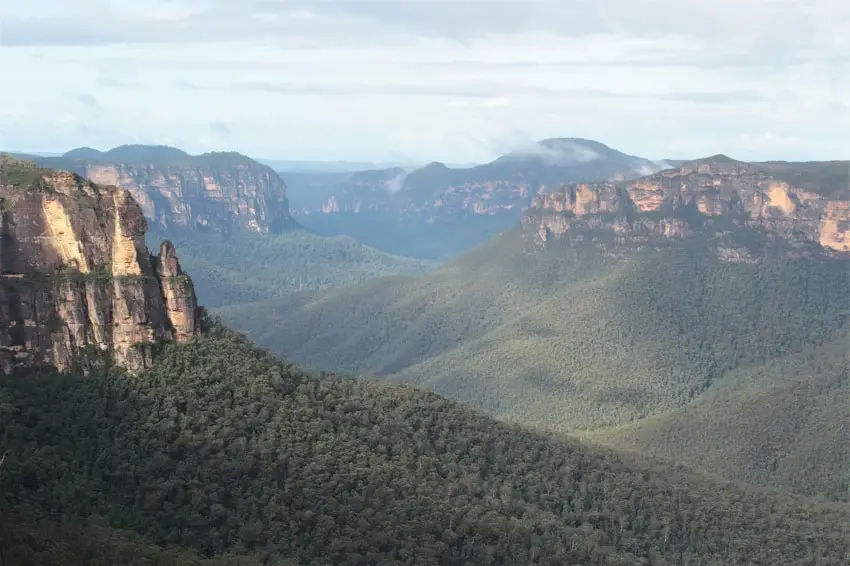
(77, 284)
(503, 186)
(799, 207)
(216, 191)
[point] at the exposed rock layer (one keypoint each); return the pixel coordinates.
(677, 202)
(77, 284)
(215, 191)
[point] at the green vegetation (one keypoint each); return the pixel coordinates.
(16, 173)
(240, 267)
(132, 153)
(24, 542)
(784, 423)
(221, 449)
(160, 155)
(569, 339)
(830, 179)
(590, 341)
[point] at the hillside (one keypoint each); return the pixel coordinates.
(785, 423)
(155, 154)
(23, 542)
(591, 340)
(241, 267)
(218, 448)
(831, 178)
(217, 191)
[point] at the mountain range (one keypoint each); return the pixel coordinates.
(437, 211)
(430, 212)
(655, 340)
(288, 166)
(623, 310)
(506, 183)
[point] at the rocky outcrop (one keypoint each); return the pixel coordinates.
(216, 191)
(676, 203)
(178, 292)
(835, 227)
(77, 284)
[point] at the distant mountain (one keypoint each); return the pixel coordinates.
(319, 167)
(157, 154)
(218, 191)
(429, 210)
(805, 206)
(503, 184)
(83, 153)
(286, 167)
(28, 154)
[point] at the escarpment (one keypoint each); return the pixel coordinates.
(718, 198)
(78, 286)
(220, 191)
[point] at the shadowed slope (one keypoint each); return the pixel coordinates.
(219, 448)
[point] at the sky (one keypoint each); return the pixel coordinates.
(435, 80)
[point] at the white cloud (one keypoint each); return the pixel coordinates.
(494, 102)
(448, 81)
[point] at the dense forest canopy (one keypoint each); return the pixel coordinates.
(784, 423)
(591, 340)
(220, 448)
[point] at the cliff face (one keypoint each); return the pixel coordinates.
(77, 284)
(215, 191)
(718, 195)
(503, 186)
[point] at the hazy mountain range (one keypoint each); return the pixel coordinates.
(645, 363)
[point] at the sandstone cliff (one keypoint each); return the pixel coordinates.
(805, 208)
(77, 284)
(218, 191)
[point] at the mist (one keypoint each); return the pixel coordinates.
(650, 168)
(557, 152)
(395, 184)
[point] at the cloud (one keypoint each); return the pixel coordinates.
(220, 128)
(338, 88)
(477, 94)
(435, 80)
(88, 101)
(557, 152)
(777, 26)
(645, 169)
(396, 183)
(485, 102)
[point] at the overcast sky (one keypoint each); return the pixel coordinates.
(416, 81)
